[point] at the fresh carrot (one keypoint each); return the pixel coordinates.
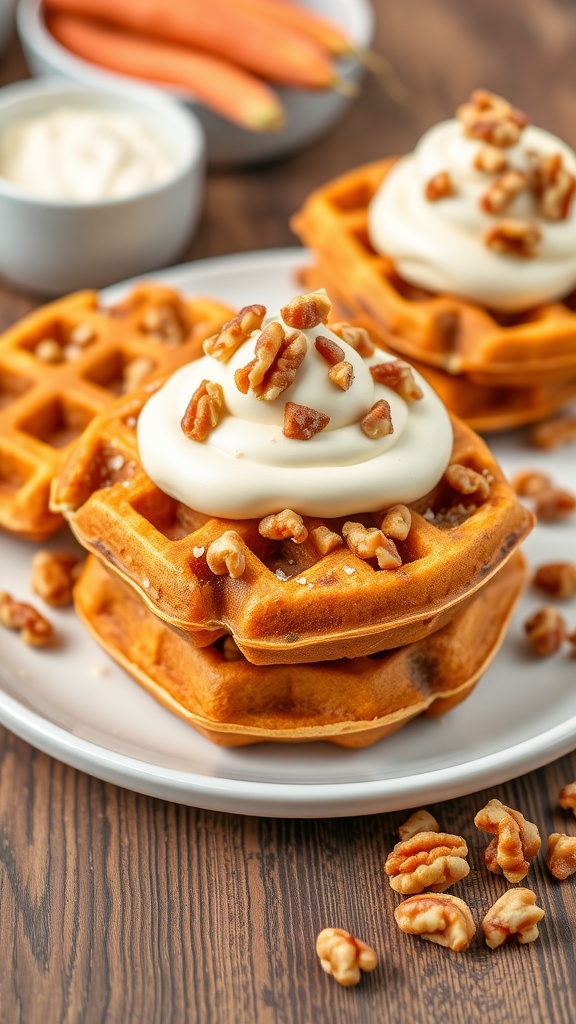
(302, 19)
(228, 90)
(222, 28)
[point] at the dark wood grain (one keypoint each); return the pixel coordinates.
(115, 907)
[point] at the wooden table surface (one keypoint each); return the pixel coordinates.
(116, 907)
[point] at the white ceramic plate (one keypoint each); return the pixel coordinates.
(75, 704)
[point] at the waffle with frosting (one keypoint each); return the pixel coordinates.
(462, 257)
(398, 515)
(64, 363)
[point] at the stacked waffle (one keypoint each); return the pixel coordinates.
(272, 570)
(461, 257)
(67, 361)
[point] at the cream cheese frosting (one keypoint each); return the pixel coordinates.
(248, 468)
(441, 246)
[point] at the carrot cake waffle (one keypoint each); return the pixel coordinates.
(63, 364)
(462, 257)
(243, 517)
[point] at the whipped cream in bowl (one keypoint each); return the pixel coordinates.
(328, 431)
(483, 209)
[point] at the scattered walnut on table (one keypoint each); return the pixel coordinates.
(344, 956)
(437, 917)
(561, 855)
(529, 482)
(553, 504)
(419, 821)
(546, 631)
(54, 574)
(516, 840)
(515, 913)
(34, 629)
(428, 860)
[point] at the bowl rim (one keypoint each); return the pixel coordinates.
(186, 123)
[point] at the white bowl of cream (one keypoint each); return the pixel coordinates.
(96, 184)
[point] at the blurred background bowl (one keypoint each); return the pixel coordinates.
(52, 246)
(6, 22)
(309, 114)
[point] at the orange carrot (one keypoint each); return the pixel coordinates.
(221, 28)
(228, 90)
(301, 19)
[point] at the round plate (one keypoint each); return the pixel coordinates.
(76, 704)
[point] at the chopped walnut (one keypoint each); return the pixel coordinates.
(513, 238)
(439, 187)
(371, 543)
(344, 956)
(357, 337)
(49, 351)
(467, 481)
(516, 841)
(561, 855)
(437, 917)
(491, 118)
(428, 860)
(203, 410)
(501, 192)
(34, 629)
(554, 433)
(329, 350)
(397, 522)
(529, 482)
(227, 555)
(552, 504)
(557, 579)
(490, 159)
(546, 631)
(161, 323)
(54, 574)
(325, 540)
(135, 372)
(231, 651)
(82, 334)
(378, 420)
(342, 374)
(305, 312)
(285, 525)
(552, 184)
(419, 821)
(399, 377)
(515, 913)
(301, 422)
(277, 356)
(223, 345)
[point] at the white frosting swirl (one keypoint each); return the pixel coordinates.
(439, 245)
(247, 467)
